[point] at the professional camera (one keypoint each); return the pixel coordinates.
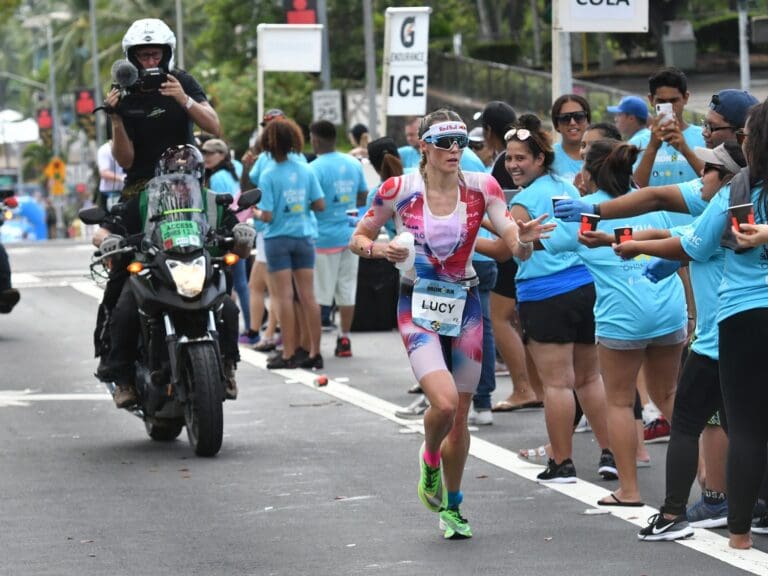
(130, 80)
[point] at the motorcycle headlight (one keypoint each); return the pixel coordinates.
(189, 277)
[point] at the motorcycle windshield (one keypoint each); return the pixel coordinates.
(176, 220)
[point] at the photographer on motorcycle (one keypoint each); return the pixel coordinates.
(146, 121)
(9, 297)
(124, 326)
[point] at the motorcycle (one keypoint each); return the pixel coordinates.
(9, 297)
(179, 288)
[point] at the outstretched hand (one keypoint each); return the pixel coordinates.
(534, 229)
(571, 210)
(627, 250)
(751, 235)
(595, 238)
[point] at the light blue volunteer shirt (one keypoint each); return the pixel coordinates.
(565, 166)
(705, 279)
(222, 182)
(691, 193)
(470, 162)
(265, 161)
(410, 157)
(628, 305)
(288, 188)
(745, 275)
(546, 274)
(341, 178)
(670, 166)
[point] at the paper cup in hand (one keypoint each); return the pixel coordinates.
(588, 222)
(555, 200)
(741, 214)
(622, 234)
(406, 240)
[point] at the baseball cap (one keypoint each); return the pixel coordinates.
(631, 105)
(718, 156)
(215, 145)
(272, 114)
(733, 105)
(498, 116)
(476, 135)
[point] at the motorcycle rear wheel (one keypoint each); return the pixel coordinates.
(203, 410)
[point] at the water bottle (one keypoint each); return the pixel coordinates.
(406, 240)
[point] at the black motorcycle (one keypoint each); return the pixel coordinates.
(9, 297)
(179, 288)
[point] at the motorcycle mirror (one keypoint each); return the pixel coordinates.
(223, 199)
(249, 198)
(95, 215)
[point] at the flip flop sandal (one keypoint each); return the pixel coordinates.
(614, 501)
(507, 406)
(534, 455)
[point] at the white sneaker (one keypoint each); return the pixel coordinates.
(415, 410)
(480, 417)
(583, 426)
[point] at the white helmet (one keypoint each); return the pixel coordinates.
(150, 31)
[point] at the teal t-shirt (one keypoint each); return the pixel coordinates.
(410, 157)
(265, 161)
(222, 182)
(745, 275)
(288, 188)
(341, 178)
(705, 279)
(565, 166)
(628, 305)
(536, 198)
(670, 166)
(470, 162)
(691, 192)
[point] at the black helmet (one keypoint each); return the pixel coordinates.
(182, 159)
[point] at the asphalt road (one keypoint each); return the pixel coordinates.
(309, 480)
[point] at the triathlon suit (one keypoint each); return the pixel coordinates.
(444, 246)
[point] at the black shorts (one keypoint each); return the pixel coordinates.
(505, 281)
(561, 319)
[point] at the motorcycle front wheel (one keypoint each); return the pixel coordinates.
(203, 410)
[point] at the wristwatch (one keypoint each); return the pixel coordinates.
(189, 103)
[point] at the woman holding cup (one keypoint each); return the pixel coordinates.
(440, 317)
(556, 295)
(636, 321)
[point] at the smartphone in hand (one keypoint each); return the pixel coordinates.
(665, 112)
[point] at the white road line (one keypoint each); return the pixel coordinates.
(704, 541)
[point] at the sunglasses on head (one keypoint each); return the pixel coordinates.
(447, 142)
(579, 117)
(521, 133)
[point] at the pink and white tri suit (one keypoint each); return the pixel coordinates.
(444, 246)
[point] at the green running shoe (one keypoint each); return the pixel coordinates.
(430, 484)
(455, 525)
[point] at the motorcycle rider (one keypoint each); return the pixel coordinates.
(144, 126)
(124, 326)
(9, 297)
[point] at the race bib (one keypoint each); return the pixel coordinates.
(180, 234)
(438, 306)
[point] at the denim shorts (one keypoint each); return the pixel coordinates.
(676, 337)
(289, 253)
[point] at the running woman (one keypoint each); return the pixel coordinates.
(439, 314)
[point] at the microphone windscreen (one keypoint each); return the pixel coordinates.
(124, 73)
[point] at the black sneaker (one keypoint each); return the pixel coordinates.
(659, 528)
(607, 466)
(760, 525)
(343, 347)
(280, 363)
(563, 473)
(312, 362)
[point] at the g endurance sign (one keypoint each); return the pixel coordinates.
(406, 43)
(600, 15)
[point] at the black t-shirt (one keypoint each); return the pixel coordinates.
(154, 123)
(500, 172)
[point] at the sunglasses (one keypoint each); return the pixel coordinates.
(447, 142)
(476, 146)
(521, 133)
(741, 136)
(712, 129)
(578, 117)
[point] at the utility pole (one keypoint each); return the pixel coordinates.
(370, 69)
(322, 17)
(743, 46)
(179, 34)
(96, 80)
